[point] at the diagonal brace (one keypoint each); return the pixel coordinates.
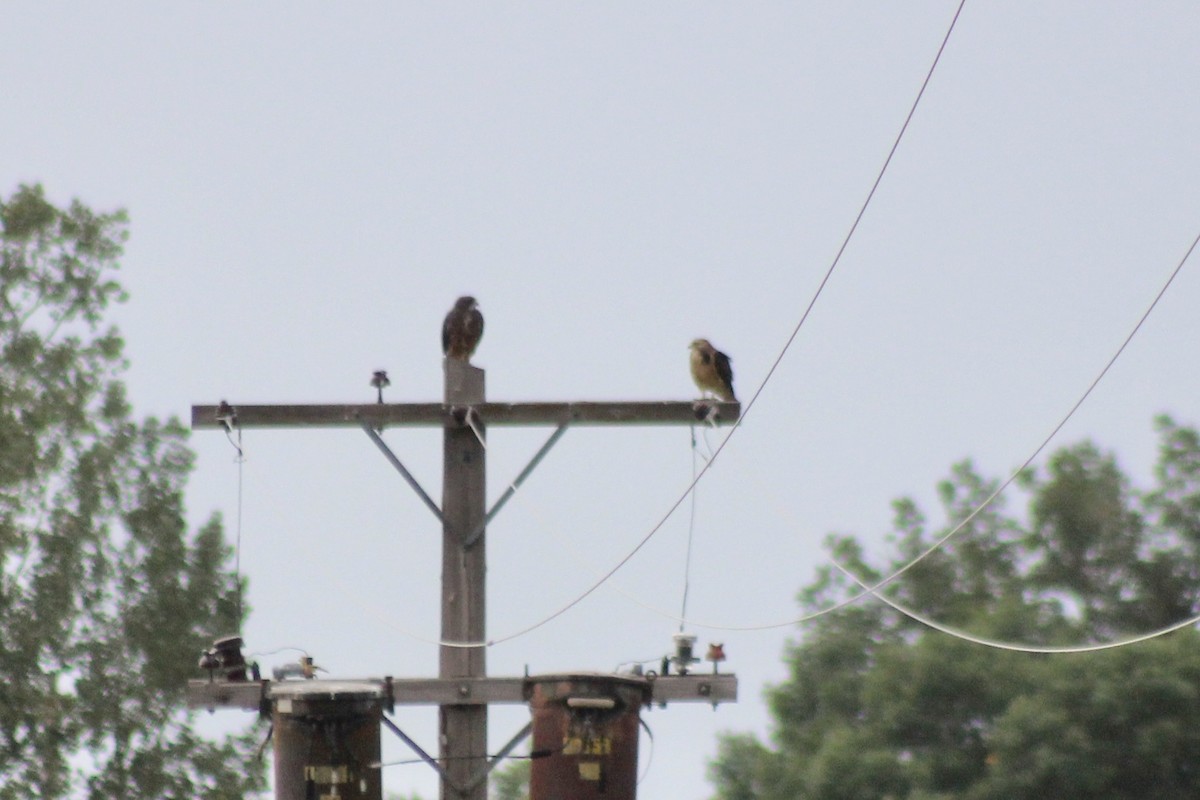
(404, 473)
(482, 775)
(416, 748)
(512, 488)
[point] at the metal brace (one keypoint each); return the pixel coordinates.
(474, 535)
(404, 473)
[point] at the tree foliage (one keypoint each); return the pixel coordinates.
(511, 781)
(877, 706)
(106, 596)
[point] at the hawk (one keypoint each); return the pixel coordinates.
(711, 371)
(462, 329)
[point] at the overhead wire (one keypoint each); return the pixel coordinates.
(866, 591)
(691, 535)
(650, 756)
(1015, 647)
(796, 330)
(854, 226)
(1049, 437)
(237, 548)
(699, 475)
(874, 590)
(793, 621)
(766, 379)
(227, 416)
(940, 542)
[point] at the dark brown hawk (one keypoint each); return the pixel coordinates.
(462, 329)
(712, 371)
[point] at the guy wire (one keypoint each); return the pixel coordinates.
(240, 460)
(687, 561)
(237, 548)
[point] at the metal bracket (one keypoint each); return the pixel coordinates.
(480, 776)
(474, 535)
(404, 473)
(471, 419)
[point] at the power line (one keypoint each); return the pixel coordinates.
(1046, 441)
(682, 619)
(770, 372)
(1013, 646)
(227, 416)
(754, 398)
(791, 622)
(687, 558)
(690, 490)
(857, 219)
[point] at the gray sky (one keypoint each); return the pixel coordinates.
(311, 185)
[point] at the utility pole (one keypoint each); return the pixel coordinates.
(463, 729)
(582, 714)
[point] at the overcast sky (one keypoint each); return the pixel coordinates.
(311, 185)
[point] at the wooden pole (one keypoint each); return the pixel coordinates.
(463, 728)
(462, 690)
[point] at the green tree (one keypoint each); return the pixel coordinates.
(511, 782)
(106, 597)
(877, 706)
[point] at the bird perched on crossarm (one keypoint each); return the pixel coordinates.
(462, 329)
(712, 371)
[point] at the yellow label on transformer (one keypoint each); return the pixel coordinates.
(592, 746)
(327, 775)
